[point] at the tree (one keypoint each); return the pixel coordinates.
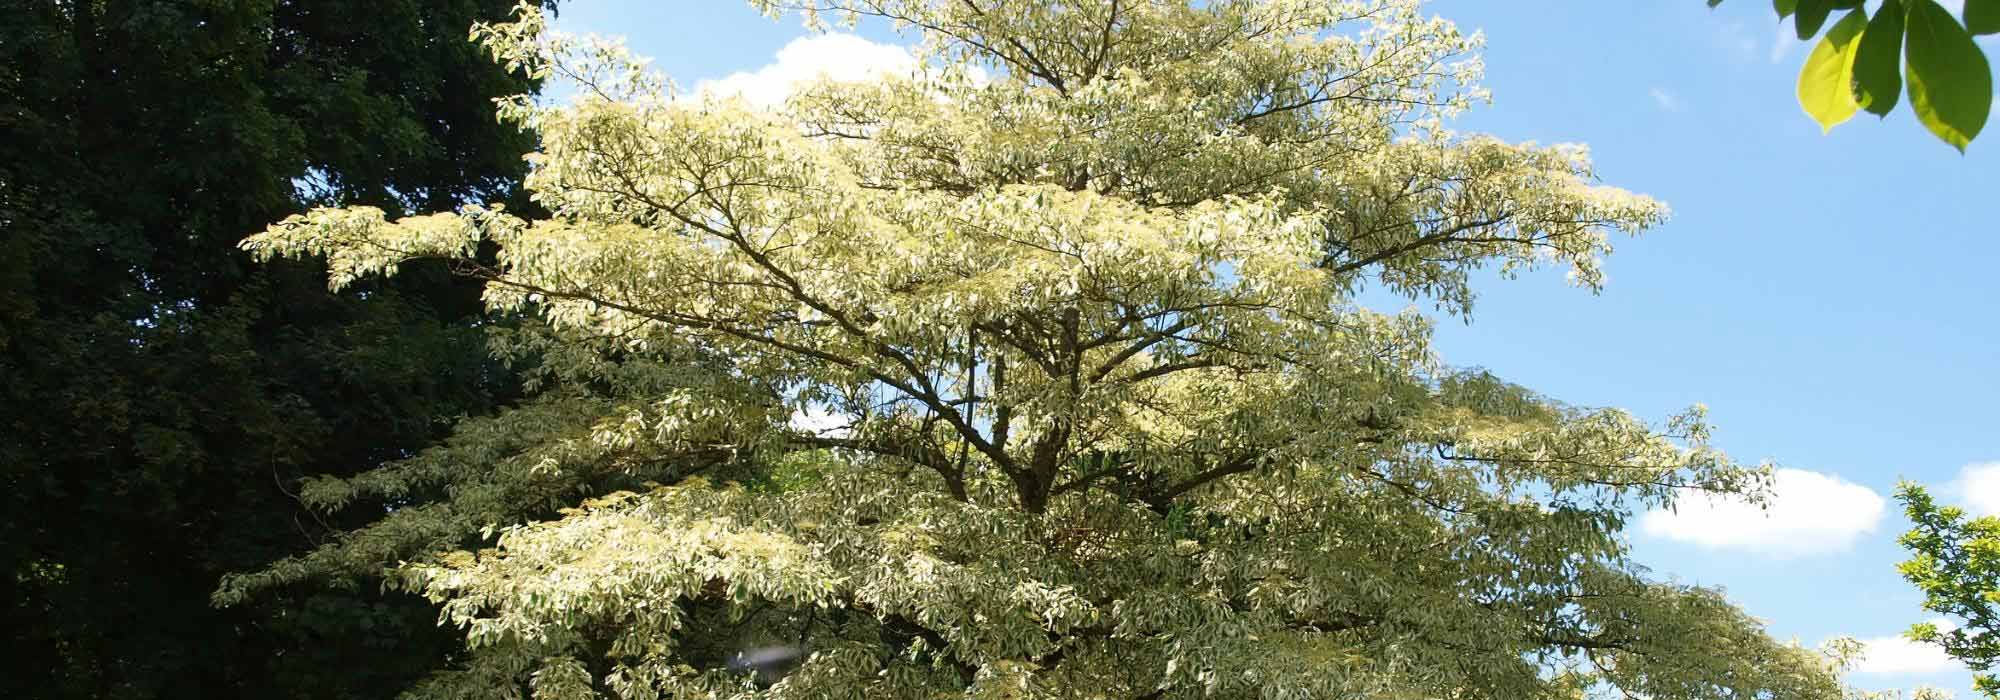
(1955, 561)
(161, 394)
(1866, 63)
(1037, 374)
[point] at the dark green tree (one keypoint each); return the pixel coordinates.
(159, 397)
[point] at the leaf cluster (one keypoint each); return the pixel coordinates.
(1867, 62)
(1955, 562)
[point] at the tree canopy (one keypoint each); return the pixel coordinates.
(160, 395)
(1955, 562)
(1035, 373)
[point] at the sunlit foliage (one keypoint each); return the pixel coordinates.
(1039, 373)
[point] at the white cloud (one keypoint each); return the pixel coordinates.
(1898, 654)
(1666, 100)
(1978, 486)
(1809, 513)
(841, 57)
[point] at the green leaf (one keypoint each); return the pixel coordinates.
(1812, 15)
(1982, 16)
(1785, 8)
(1951, 87)
(1826, 84)
(1878, 64)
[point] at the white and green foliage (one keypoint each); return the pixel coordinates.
(1094, 411)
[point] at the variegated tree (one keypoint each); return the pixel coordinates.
(1037, 373)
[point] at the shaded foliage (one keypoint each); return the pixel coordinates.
(162, 397)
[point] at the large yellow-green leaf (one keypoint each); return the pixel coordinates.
(1951, 86)
(1826, 84)
(1878, 63)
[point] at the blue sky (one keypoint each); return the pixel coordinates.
(1829, 297)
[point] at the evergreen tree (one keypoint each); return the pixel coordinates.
(160, 397)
